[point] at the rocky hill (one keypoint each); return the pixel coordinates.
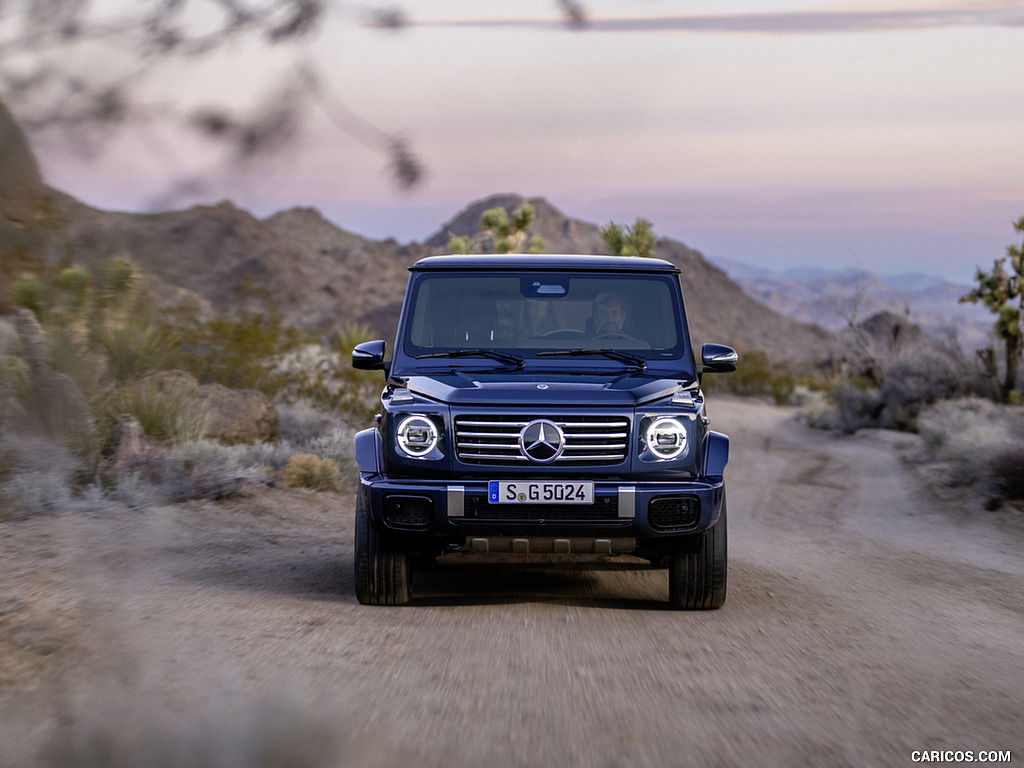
(322, 277)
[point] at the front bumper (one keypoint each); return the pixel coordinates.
(433, 517)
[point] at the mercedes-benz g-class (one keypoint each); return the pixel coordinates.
(539, 408)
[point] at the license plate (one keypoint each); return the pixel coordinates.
(540, 492)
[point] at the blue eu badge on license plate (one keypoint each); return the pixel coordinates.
(492, 491)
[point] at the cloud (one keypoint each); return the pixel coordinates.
(774, 23)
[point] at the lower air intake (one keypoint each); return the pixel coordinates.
(408, 511)
(673, 513)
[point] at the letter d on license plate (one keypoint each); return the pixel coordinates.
(540, 492)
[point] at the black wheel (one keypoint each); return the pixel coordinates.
(382, 577)
(697, 579)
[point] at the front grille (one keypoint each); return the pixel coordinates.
(589, 440)
(408, 511)
(603, 508)
(668, 513)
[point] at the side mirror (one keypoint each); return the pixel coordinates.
(369, 356)
(718, 358)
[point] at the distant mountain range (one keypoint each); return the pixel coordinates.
(830, 298)
(320, 276)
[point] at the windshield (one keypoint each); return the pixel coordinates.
(529, 315)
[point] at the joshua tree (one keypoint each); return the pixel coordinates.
(1002, 292)
(638, 240)
(505, 235)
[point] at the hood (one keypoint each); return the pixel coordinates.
(537, 389)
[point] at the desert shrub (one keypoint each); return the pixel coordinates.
(139, 488)
(120, 282)
(204, 469)
(305, 470)
(165, 414)
(969, 432)
(911, 383)
(29, 494)
(29, 292)
(855, 405)
(352, 394)
(1004, 476)
(900, 388)
(273, 456)
(305, 429)
(981, 442)
(97, 331)
(237, 351)
(955, 427)
(74, 288)
(337, 445)
(38, 476)
(755, 376)
(72, 355)
(351, 335)
(323, 376)
(300, 420)
(16, 388)
(135, 348)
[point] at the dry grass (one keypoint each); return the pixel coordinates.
(40, 476)
(305, 470)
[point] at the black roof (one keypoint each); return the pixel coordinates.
(559, 262)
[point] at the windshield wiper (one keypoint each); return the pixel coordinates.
(639, 362)
(494, 355)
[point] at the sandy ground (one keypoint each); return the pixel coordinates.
(869, 616)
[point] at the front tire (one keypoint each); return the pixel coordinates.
(382, 577)
(697, 580)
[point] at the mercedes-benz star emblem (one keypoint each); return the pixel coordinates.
(542, 441)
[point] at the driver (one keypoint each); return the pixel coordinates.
(608, 314)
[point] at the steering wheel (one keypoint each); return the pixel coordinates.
(614, 336)
(564, 332)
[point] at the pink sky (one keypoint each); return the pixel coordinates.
(883, 136)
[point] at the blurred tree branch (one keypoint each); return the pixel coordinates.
(50, 93)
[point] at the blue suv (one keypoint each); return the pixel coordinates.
(538, 408)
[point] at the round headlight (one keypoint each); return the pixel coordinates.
(666, 438)
(417, 435)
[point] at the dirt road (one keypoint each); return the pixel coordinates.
(868, 618)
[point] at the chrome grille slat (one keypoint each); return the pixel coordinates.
(489, 439)
(505, 457)
(509, 424)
